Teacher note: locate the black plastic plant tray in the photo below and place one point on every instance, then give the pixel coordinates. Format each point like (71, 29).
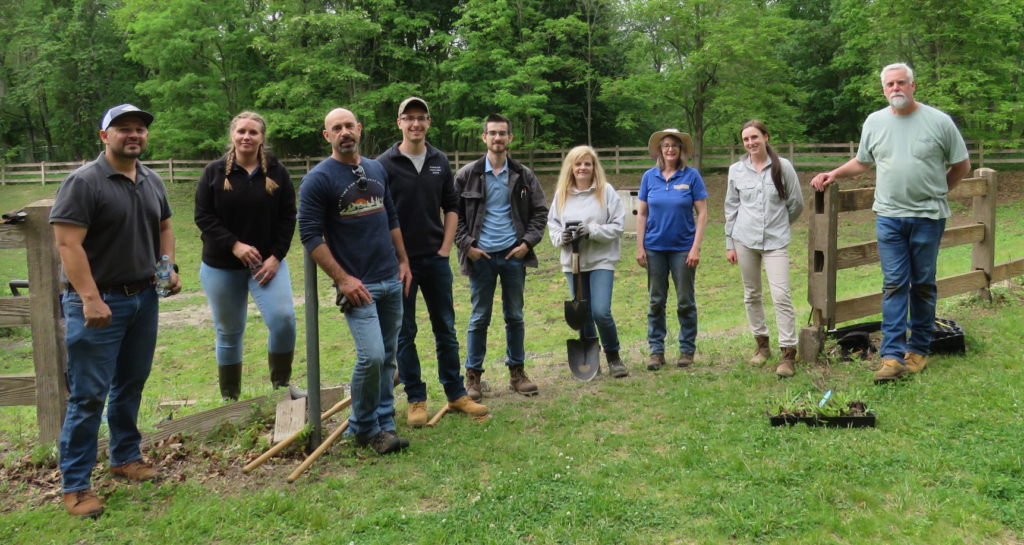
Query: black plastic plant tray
(865, 421)
(947, 335)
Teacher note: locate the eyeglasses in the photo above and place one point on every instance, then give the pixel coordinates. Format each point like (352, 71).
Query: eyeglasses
(422, 119)
(363, 182)
(670, 146)
(494, 134)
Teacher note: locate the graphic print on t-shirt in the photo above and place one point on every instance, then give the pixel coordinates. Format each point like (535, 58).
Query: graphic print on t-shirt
(354, 203)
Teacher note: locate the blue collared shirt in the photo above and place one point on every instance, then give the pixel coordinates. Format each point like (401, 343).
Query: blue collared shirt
(498, 231)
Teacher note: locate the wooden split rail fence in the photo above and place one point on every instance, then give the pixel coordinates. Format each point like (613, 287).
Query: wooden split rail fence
(615, 160)
(826, 257)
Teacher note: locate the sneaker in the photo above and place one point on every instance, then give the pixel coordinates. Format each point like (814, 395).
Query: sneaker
(473, 386)
(915, 362)
(417, 414)
(382, 443)
(466, 405)
(84, 503)
(135, 471)
(685, 360)
(891, 370)
(519, 382)
(657, 361)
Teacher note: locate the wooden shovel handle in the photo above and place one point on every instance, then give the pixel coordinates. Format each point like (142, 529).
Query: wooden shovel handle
(438, 416)
(339, 406)
(316, 453)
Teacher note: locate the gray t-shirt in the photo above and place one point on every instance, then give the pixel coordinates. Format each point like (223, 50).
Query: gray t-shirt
(417, 160)
(123, 219)
(910, 153)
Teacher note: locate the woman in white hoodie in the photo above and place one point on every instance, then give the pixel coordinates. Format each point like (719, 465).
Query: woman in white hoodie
(583, 195)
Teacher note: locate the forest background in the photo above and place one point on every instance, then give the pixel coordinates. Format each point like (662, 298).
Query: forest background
(604, 72)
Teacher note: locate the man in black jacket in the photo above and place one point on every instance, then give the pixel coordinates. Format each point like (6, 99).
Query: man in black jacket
(422, 188)
(502, 215)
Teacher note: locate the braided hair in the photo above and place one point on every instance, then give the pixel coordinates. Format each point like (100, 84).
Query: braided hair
(776, 164)
(261, 154)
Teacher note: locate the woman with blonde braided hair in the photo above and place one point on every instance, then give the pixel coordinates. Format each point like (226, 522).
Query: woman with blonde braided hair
(245, 209)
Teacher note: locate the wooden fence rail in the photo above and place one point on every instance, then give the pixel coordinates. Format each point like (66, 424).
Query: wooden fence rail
(826, 257)
(615, 160)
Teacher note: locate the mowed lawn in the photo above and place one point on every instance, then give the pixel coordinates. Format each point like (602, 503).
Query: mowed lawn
(675, 456)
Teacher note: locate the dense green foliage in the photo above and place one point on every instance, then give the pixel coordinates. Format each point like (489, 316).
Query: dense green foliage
(607, 72)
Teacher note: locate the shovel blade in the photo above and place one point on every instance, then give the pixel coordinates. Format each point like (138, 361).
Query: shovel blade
(584, 358)
(576, 313)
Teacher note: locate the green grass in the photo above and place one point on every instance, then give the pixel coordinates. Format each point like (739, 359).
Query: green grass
(668, 457)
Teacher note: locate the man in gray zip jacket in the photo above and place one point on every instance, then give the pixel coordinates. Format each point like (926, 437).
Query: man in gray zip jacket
(502, 214)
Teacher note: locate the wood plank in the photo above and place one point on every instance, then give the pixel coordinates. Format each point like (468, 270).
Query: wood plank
(969, 187)
(291, 417)
(48, 353)
(1007, 270)
(865, 253)
(853, 308)
(330, 397)
(851, 200)
(17, 389)
(14, 311)
(11, 237)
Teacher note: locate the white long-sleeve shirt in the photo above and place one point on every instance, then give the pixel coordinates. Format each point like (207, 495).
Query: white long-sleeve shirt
(755, 216)
(606, 223)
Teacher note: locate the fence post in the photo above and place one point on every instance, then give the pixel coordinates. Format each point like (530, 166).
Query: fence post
(852, 152)
(732, 153)
(457, 165)
(170, 168)
(307, 165)
(791, 153)
(983, 254)
(42, 173)
(531, 158)
(821, 271)
(616, 159)
(48, 353)
(3, 174)
(981, 154)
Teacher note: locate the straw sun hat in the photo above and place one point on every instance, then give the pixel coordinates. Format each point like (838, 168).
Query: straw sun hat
(655, 141)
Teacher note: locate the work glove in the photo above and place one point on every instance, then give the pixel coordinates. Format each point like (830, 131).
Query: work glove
(582, 232)
(566, 237)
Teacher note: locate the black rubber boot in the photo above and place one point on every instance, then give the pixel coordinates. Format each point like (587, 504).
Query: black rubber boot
(280, 368)
(230, 381)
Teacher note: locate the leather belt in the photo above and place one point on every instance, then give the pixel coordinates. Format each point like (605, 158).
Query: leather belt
(132, 288)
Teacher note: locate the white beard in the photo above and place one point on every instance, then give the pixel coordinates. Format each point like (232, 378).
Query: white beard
(898, 101)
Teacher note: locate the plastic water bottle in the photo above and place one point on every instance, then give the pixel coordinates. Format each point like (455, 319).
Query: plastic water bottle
(163, 276)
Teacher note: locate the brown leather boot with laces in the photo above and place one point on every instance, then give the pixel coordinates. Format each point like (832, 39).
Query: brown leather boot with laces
(763, 351)
(519, 382)
(84, 503)
(473, 386)
(135, 471)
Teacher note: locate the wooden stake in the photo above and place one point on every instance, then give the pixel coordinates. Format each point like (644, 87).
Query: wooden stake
(316, 453)
(438, 416)
(340, 406)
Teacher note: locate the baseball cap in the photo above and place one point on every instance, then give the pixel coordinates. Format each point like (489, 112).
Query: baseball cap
(125, 110)
(412, 101)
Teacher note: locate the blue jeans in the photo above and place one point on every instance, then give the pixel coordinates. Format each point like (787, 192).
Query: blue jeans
(433, 275)
(227, 291)
(597, 290)
(659, 266)
(483, 279)
(908, 249)
(111, 361)
(374, 327)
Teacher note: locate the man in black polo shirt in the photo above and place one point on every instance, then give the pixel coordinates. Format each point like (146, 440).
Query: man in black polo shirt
(423, 188)
(111, 222)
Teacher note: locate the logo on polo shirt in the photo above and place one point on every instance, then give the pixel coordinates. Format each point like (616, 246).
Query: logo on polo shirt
(435, 169)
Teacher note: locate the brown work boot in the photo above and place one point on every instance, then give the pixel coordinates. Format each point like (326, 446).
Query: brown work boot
(763, 351)
(135, 471)
(519, 382)
(473, 386)
(417, 414)
(656, 361)
(915, 362)
(466, 405)
(891, 370)
(788, 364)
(84, 503)
(385, 442)
(685, 360)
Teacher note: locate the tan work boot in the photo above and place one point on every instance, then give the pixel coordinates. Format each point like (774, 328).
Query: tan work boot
(685, 360)
(657, 361)
(891, 370)
(473, 386)
(135, 471)
(417, 414)
(467, 406)
(788, 364)
(84, 503)
(519, 382)
(915, 362)
(763, 351)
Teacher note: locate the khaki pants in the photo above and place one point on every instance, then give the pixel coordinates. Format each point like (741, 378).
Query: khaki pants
(776, 266)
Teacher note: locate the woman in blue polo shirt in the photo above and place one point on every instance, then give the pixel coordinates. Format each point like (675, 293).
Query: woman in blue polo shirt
(670, 227)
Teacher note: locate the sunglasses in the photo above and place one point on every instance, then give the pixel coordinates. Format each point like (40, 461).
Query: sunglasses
(363, 182)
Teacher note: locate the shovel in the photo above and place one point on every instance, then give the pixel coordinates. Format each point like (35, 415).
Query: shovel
(584, 353)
